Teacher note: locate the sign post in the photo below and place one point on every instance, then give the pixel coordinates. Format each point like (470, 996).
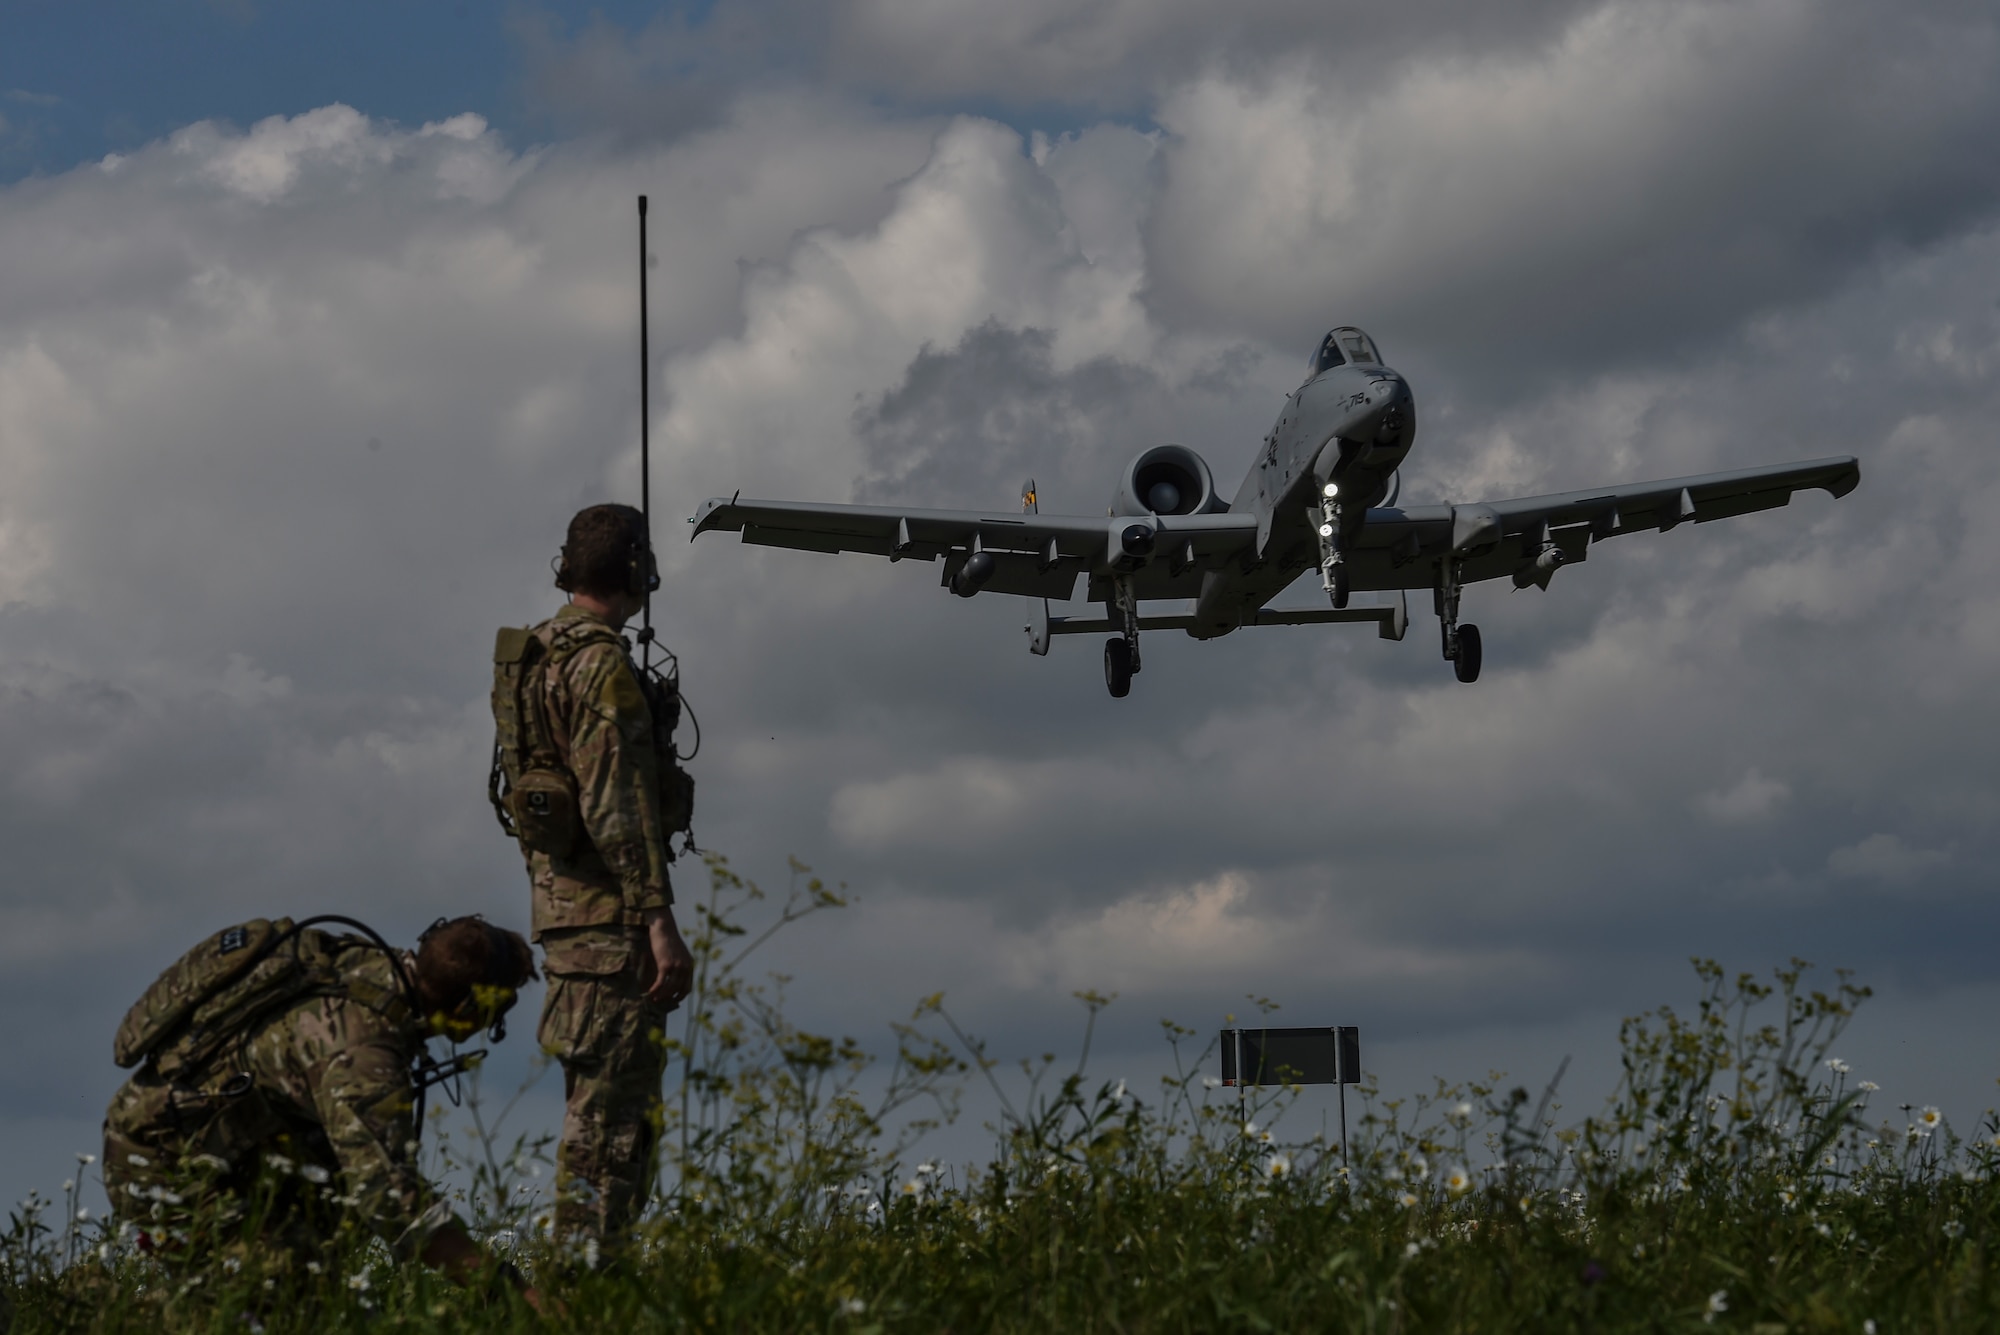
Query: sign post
(1303, 1055)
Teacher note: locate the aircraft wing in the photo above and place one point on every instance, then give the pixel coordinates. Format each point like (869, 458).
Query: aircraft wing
(1496, 538)
(1039, 555)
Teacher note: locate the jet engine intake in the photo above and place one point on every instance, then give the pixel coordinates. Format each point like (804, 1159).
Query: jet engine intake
(1167, 480)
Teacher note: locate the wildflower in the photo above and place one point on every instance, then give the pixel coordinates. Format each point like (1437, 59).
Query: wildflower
(1406, 1200)
(314, 1268)
(1868, 1326)
(1457, 1181)
(1824, 1229)
(592, 1253)
(853, 1306)
(1718, 1303)
(232, 1264)
(1828, 1160)
(1868, 1086)
(358, 1281)
(312, 1172)
(1210, 1082)
(138, 1161)
(1787, 1197)
(69, 1184)
(1249, 1128)
(1277, 1165)
(1954, 1228)
(86, 1159)
(1410, 1249)
(278, 1163)
(1392, 1174)
(1836, 1065)
(1461, 1113)
(1929, 1119)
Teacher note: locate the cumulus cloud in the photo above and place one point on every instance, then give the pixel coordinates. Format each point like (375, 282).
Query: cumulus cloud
(1750, 799)
(1885, 857)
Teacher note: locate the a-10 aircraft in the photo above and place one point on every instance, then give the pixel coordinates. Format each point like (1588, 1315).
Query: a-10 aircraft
(1323, 493)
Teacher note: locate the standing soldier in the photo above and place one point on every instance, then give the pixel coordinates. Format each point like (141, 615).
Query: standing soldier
(584, 777)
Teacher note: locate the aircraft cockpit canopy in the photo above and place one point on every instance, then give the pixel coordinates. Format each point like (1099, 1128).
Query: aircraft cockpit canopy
(1343, 345)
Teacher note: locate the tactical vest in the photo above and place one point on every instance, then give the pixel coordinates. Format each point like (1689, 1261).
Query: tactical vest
(219, 990)
(532, 791)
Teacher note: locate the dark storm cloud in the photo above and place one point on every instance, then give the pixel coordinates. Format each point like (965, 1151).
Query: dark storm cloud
(1071, 59)
(1646, 177)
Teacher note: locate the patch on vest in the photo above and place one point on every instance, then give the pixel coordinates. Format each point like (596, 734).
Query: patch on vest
(234, 939)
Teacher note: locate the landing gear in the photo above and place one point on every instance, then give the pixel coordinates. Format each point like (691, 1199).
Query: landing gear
(1332, 561)
(1118, 667)
(1121, 652)
(1461, 643)
(1466, 665)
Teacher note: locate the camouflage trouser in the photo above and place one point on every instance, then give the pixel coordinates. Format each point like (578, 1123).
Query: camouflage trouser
(611, 1042)
(185, 1164)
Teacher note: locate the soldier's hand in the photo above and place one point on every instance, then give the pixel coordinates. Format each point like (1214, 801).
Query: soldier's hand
(673, 964)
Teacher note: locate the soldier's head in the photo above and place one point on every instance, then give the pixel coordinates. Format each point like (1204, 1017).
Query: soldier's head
(608, 557)
(469, 973)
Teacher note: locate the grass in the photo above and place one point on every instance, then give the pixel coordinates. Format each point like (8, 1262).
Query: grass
(1738, 1180)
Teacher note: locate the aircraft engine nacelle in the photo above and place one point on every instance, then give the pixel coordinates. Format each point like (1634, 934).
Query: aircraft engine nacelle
(1167, 480)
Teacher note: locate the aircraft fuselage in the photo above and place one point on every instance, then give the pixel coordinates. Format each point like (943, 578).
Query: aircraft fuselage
(1350, 426)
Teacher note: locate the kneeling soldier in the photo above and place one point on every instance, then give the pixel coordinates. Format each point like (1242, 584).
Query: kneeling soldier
(279, 1047)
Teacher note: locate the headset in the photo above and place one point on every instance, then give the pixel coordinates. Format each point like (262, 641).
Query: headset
(642, 568)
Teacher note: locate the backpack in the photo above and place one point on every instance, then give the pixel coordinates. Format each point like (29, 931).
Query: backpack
(215, 991)
(533, 793)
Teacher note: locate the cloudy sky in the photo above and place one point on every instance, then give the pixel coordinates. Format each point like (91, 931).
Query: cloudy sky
(318, 321)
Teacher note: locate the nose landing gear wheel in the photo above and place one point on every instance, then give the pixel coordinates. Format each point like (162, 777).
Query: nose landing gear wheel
(1341, 586)
(1117, 667)
(1466, 665)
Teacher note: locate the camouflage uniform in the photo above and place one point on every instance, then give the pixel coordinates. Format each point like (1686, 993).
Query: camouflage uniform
(320, 1090)
(589, 916)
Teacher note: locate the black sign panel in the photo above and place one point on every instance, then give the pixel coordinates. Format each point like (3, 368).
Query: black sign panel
(1309, 1055)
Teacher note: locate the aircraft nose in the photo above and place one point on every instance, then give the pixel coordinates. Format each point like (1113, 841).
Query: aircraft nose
(1388, 407)
(1386, 388)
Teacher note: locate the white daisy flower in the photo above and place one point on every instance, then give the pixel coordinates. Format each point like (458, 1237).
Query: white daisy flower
(1718, 1303)
(1457, 1181)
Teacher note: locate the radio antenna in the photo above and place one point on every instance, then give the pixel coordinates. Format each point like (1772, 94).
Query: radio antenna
(645, 437)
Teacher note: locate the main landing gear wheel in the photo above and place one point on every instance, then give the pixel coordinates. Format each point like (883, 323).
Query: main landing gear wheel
(1466, 665)
(1342, 586)
(1117, 667)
